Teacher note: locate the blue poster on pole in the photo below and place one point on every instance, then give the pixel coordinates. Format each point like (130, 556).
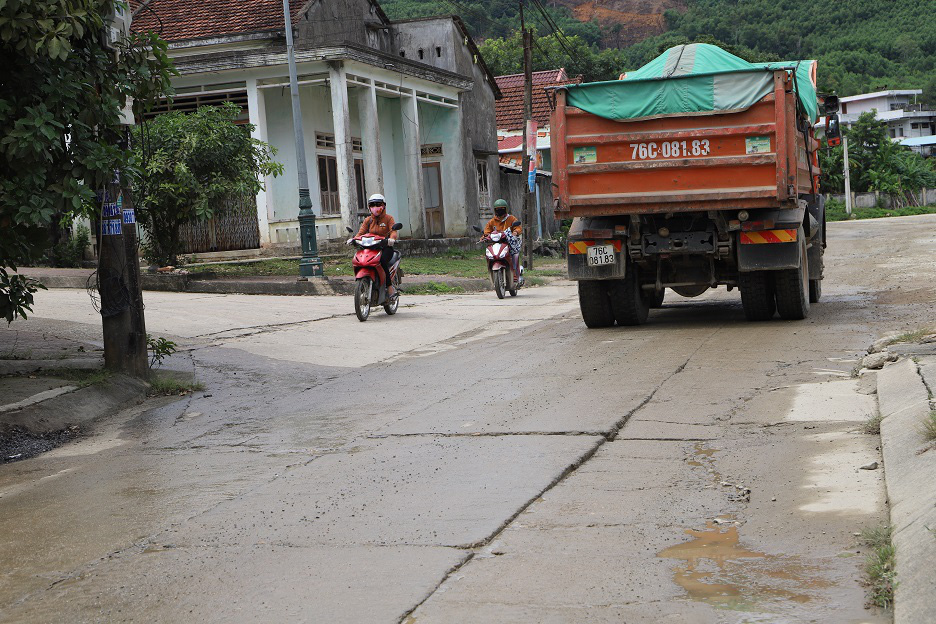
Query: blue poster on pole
(531, 181)
(111, 227)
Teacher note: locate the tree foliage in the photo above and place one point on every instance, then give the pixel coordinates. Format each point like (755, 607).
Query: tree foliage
(62, 91)
(875, 162)
(505, 56)
(487, 19)
(192, 163)
(861, 46)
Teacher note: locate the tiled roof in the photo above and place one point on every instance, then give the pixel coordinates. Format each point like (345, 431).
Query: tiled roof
(509, 142)
(548, 76)
(176, 20)
(510, 107)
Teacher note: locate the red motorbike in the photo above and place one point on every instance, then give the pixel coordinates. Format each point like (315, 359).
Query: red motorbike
(500, 263)
(368, 273)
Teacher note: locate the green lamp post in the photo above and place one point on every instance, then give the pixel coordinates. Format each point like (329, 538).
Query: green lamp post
(311, 264)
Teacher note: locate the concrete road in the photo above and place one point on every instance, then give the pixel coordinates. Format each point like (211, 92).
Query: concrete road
(476, 460)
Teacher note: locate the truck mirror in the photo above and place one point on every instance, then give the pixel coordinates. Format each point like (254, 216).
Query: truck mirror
(833, 131)
(830, 104)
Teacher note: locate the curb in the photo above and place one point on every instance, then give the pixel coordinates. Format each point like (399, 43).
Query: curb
(78, 407)
(196, 283)
(909, 476)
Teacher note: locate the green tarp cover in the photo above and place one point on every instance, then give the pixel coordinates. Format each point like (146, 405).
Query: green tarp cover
(691, 79)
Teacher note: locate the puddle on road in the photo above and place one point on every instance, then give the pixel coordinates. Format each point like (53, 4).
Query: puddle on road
(702, 457)
(719, 571)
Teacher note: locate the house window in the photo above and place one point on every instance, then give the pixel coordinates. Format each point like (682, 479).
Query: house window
(914, 126)
(420, 53)
(431, 151)
(328, 184)
(438, 51)
(361, 190)
(900, 132)
(893, 133)
(327, 141)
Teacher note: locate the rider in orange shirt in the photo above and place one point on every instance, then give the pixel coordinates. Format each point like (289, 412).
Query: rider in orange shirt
(503, 222)
(381, 223)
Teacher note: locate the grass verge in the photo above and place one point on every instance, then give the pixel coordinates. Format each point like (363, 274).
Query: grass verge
(913, 336)
(835, 211)
(872, 426)
(451, 264)
(928, 428)
(80, 377)
(165, 384)
(880, 566)
(431, 288)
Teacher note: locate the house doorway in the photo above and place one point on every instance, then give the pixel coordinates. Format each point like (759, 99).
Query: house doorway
(484, 191)
(432, 195)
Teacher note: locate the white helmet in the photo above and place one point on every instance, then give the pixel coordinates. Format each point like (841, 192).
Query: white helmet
(376, 198)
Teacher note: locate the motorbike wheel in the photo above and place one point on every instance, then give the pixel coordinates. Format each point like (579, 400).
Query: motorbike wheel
(362, 298)
(391, 306)
(499, 286)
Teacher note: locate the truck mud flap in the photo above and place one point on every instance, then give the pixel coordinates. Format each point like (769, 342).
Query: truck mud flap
(579, 269)
(768, 256)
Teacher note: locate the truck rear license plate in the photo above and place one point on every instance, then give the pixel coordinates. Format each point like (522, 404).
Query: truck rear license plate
(600, 254)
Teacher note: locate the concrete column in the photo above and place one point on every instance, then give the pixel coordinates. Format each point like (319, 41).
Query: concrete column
(370, 138)
(463, 187)
(341, 118)
(414, 173)
(256, 111)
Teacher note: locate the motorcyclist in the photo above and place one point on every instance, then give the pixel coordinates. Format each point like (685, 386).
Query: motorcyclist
(381, 224)
(503, 222)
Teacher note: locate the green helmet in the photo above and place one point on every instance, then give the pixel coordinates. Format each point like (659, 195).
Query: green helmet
(500, 203)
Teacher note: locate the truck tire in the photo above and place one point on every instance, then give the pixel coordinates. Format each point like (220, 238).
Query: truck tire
(595, 303)
(655, 298)
(815, 290)
(757, 295)
(629, 304)
(792, 286)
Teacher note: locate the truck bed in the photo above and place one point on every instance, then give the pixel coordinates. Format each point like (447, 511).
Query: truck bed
(750, 159)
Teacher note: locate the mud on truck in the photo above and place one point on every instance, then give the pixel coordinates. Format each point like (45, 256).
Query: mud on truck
(695, 171)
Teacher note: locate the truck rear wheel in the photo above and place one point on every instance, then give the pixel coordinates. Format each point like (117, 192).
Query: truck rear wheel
(757, 295)
(629, 304)
(595, 303)
(655, 298)
(792, 286)
(815, 290)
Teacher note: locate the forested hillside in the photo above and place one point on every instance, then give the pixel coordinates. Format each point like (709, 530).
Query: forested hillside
(862, 45)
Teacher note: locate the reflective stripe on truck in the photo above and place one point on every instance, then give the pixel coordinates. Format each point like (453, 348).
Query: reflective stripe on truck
(768, 236)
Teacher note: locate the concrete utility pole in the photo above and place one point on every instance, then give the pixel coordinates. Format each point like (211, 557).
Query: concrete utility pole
(118, 273)
(848, 200)
(311, 264)
(527, 218)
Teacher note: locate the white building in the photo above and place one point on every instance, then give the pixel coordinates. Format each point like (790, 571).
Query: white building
(402, 108)
(905, 117)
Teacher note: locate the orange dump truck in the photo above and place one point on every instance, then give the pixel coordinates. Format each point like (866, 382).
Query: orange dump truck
(696, 171)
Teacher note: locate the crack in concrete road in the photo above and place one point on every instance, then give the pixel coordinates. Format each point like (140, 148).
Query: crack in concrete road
(607, 436)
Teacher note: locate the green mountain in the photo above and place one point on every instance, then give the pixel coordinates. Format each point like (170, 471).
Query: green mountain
(861, 45)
